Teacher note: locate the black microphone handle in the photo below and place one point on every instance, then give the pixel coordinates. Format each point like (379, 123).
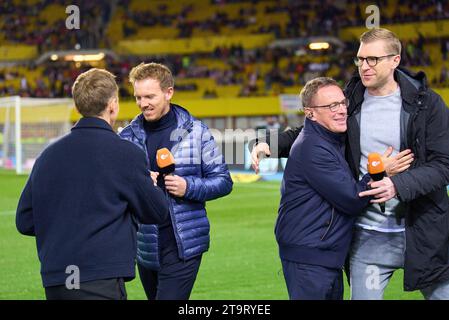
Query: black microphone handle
(377, 177)
(167, 170)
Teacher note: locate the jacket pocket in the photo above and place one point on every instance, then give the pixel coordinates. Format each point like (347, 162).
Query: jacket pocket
(323, 237)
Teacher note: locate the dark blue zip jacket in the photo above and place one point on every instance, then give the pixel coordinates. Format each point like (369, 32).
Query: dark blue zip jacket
(199, 161)
(319, 201)
(81, 202)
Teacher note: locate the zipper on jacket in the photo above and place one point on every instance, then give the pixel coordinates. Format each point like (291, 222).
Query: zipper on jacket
(170, 199)
(414, 116)
(415, 143)
(330, 225)
(173, 223)
(188, 129)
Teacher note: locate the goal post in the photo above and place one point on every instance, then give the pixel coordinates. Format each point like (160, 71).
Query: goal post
(27, 126)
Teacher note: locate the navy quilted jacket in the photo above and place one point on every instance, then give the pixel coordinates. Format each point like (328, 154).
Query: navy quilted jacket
(199, 161)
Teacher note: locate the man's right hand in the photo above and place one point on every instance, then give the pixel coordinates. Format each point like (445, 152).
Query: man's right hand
(259, 151)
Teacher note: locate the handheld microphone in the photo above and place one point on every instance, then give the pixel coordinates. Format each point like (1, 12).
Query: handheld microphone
(165, 161)
(376, 171)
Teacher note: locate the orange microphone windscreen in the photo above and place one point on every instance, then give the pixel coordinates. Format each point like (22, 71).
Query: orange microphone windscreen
(164, 158)
(375, 164)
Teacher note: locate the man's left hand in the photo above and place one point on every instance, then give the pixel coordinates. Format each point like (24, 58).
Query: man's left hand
(382, 190)
(175, 185)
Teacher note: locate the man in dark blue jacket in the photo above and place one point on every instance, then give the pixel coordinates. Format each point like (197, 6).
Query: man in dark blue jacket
(169, 255)
(320, 198)
(82, 199)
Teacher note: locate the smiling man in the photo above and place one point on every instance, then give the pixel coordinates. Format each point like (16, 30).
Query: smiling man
(320, 198)
(390, 106)
(169, 254)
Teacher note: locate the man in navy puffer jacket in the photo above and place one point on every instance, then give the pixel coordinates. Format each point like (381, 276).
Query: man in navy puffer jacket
(320, 199)
(169, 254)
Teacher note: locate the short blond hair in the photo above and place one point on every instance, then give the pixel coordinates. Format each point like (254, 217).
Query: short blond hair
(392, 41)
(310, 89)
(155, 71)
(93, 90)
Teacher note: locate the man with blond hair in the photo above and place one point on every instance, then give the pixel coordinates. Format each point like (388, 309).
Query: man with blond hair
(169, 254)
(390, 106)
(83, 197)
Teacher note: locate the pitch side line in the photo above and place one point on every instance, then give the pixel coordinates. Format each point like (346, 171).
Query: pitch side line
(7, 213)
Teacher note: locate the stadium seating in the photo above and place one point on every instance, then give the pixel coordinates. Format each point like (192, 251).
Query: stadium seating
(216, 48)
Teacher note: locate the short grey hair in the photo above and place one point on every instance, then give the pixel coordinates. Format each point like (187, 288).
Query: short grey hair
(309, 91)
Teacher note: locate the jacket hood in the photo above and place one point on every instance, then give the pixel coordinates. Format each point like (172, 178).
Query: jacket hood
(412, 84)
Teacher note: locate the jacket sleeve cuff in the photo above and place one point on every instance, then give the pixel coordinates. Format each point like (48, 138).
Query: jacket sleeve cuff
(365, 179)
(401, 192)
(189, 187)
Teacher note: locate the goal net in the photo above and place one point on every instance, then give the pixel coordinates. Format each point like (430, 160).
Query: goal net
(27, 126)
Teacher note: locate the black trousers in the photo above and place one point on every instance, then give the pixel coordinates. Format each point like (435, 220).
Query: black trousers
(108, 289)
(174, 281)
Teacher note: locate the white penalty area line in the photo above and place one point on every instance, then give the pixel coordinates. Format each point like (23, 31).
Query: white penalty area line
(7, 213)
(256, 185)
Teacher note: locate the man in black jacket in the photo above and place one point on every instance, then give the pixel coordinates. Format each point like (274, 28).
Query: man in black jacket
(82, 199)
(390, 106)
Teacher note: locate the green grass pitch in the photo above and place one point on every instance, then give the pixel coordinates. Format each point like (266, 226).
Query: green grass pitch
(242, 262)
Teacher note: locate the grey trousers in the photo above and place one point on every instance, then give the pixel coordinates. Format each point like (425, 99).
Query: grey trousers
(374, 257)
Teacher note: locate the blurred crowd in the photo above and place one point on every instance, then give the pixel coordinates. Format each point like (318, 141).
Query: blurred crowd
(300, 21)
(22, 24)
(242, 68)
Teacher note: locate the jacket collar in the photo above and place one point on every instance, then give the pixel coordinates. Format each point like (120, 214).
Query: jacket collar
(92, 122)
(412, 85)
(312, 127)
(183, 118)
